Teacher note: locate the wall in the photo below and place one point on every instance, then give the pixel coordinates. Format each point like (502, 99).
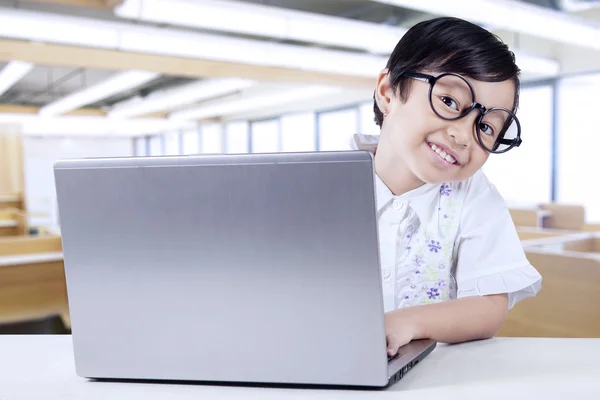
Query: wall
(524, 174)
(578, 142)
(11, 160)
(40, 153)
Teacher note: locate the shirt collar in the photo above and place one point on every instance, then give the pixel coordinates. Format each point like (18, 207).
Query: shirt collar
(423, 200)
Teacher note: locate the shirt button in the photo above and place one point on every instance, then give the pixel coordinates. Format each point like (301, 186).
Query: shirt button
(398, 205)
(386, 274)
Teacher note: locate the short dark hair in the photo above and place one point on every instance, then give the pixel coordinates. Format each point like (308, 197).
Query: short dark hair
(450, 44)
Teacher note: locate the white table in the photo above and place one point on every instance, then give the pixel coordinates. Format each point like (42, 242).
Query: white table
(41, 367)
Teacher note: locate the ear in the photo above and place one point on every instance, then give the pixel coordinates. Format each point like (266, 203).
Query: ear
(384, 92)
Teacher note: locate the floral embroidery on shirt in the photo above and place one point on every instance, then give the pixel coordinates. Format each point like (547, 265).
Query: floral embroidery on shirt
(451, 211)
(433, 293)
(434, 246)
(418, 261)
(424, 274)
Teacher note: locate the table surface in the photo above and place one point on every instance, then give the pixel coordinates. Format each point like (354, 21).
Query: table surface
(31, 258)
(8, 223)
(9, 197)
(41, 367)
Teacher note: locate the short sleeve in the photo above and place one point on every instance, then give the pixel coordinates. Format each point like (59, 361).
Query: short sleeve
(490, 258)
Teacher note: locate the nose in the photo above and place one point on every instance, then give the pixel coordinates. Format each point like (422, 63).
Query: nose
(462, 131)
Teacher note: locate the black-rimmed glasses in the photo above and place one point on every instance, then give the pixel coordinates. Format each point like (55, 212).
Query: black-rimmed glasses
(452, 97)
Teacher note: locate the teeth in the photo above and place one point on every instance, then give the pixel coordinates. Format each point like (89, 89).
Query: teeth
(443, 154)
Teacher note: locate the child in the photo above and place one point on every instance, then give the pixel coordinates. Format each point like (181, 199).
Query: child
(452, 264)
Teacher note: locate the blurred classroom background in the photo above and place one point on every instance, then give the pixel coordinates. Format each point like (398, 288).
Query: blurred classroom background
(104, 78)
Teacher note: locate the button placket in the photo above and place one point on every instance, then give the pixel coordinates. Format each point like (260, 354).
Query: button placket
(398, 214)
(398, 205)
(404, 238)
(387, 230)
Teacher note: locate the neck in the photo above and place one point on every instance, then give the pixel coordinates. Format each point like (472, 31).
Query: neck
(395, 174)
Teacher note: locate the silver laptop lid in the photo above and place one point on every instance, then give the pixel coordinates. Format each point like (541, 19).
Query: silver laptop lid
(243, 268)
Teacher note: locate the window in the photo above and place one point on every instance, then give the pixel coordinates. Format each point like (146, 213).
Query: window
(336, 129)
(140, 146)
(191, 141)
(524, 174)
(156, 146)
(212, 138)
(298, 132)
(237, 137)
(366, 117)
(172, 143)
(578, 143)
(39, 156)
(265, 136)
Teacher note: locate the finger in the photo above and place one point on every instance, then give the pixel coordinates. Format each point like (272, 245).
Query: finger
(392, 346)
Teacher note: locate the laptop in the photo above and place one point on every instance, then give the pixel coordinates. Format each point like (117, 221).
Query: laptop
(241, 269)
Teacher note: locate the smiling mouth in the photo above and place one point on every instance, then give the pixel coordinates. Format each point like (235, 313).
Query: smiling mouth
(443, 155)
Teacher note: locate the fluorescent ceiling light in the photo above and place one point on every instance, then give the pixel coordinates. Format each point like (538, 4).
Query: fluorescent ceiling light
(251, 102)
(514, 16)
(12, 73)
(118, 83)
(181, 96)
(266, 21)
(54, 28)
(279, 23)
(31, 124)
(28, 25)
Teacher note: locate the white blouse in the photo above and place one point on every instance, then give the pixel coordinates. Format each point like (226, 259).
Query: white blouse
(447, 241)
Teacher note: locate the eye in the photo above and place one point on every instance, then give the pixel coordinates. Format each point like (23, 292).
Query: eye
(450, 102)
(487, 129)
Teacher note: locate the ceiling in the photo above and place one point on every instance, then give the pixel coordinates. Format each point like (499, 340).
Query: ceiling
(45, 84)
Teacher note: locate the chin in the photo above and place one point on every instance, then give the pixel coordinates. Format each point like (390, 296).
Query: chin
(431, 178)
(436, 177)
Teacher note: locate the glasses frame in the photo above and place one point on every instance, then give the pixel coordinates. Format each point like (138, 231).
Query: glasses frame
(431, 80)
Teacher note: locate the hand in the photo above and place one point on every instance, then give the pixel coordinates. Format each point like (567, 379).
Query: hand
(399, 330)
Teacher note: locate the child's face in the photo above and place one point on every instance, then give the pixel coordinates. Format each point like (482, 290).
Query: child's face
(411, 132)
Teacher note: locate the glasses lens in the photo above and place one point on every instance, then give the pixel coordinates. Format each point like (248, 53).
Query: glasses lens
(498, 130)
(451, 97)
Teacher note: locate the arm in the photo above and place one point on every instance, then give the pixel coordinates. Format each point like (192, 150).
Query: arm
(455, 321)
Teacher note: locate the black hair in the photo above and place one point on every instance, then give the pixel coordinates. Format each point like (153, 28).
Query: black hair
(450, 44)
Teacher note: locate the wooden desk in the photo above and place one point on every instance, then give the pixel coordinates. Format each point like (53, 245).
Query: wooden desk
(25, 259)
(42, 367)
(567, 304)
(8, 227)
(12, 201)
(31, 286)
(13, 222)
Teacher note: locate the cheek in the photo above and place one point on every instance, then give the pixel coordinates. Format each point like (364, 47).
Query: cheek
(478, 158)
(410, 124)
